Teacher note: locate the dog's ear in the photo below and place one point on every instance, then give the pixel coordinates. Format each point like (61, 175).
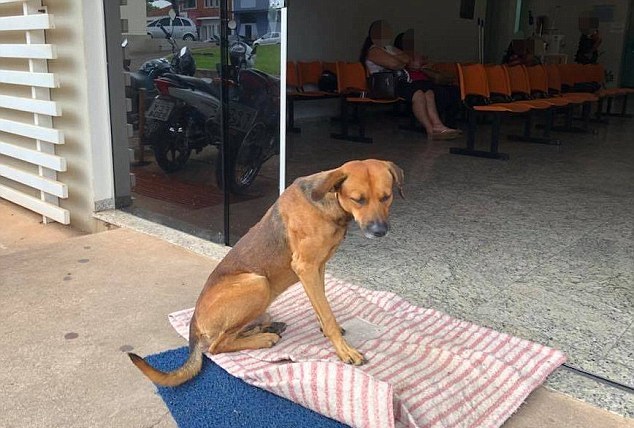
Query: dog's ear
(397, 176)
(330, 183)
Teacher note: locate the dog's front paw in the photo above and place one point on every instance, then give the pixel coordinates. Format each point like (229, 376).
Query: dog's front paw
(350, 355)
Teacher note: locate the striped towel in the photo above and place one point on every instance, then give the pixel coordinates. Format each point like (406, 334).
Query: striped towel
(424, 369)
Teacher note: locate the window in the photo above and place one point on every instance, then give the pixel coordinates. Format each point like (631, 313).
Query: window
(189, 4)
(124, 25)
(177, 22)
(212, 3)
(247, 4)
(123, 2)
(165, 22)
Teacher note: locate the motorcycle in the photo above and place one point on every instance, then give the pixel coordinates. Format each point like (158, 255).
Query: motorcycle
(185, 116)
(182, 62)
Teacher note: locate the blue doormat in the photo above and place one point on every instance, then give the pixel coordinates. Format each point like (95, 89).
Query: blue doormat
(216, 399)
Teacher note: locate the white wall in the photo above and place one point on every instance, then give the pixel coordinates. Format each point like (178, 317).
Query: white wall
(335, 29)
(81, 67)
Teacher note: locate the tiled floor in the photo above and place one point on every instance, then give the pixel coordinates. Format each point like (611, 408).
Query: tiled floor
(539, 246)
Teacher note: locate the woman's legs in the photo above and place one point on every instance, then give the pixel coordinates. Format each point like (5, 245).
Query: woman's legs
(419, 107)
(424, 108)
(432, 113)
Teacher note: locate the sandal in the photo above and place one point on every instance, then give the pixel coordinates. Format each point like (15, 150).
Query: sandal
(445, 134)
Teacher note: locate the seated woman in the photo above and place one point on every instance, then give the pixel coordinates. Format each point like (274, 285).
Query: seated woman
(447, 95)
(379, 55)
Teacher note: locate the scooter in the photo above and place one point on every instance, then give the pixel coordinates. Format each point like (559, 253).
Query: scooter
(182, 62)
(186, 116)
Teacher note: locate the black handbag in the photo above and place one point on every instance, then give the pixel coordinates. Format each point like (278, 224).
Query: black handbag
(384, 84)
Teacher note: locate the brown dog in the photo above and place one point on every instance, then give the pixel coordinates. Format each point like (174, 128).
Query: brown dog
(293, 241)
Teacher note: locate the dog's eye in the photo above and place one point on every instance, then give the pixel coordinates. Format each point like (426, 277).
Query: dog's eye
(360, 201)
(385, 198)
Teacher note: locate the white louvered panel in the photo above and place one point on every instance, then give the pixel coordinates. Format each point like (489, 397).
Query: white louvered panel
(33, 156)
(31, 105)
(37, 182)
(32, 131)
(33, 21)
(38, 21)
(28, 51)
(44, 208)
(43, 80)
(33, 8)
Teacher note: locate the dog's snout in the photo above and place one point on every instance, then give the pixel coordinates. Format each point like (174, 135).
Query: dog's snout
(376, 229)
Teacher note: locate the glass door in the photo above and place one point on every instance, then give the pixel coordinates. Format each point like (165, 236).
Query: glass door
(253, 51)
(202, 152)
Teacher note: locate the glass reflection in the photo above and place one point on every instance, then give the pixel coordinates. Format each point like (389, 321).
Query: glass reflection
(173, 51)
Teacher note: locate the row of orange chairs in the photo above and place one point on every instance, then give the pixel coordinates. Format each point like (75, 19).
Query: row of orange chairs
(352, 88)
(500, 89)
(497, 90)
(302, 84)
(591, 78)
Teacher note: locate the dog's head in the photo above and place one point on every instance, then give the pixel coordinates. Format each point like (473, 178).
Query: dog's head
(364, 190)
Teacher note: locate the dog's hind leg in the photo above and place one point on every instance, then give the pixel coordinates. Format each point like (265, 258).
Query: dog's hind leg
(268, 327)
(237, 343)
(235, 303)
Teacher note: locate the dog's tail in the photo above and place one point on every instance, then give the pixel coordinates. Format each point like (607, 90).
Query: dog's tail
(179, 376)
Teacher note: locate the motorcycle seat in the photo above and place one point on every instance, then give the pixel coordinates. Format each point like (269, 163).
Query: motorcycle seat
(140, 80)
(204, 85)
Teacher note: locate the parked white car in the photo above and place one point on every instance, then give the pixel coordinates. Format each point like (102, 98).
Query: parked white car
(180, 28)
(268, 39)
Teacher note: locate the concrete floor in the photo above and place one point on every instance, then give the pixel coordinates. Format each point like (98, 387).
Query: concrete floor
(73, 304)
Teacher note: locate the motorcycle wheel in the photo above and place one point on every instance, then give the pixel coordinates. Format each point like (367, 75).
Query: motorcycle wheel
(246, 160)
(169, 144)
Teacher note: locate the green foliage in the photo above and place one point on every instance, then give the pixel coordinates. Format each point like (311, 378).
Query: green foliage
(149, 6)
(267, 59)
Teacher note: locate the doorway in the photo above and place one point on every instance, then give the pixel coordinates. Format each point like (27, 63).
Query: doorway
(203, 141)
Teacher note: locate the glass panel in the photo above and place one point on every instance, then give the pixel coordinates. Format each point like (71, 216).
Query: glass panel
(252, 72)
(194, 87)
(173, 93)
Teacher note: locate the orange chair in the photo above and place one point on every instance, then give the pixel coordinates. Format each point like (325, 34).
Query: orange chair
(555, 85)
(475, 95)
(309, 74)
(353, 87)
(539, 88)
(596, 73)
(302, 80)
(519, 90)
(555, 89)
(521, 87)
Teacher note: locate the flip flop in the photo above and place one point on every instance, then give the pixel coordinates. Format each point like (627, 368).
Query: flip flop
(445, 134)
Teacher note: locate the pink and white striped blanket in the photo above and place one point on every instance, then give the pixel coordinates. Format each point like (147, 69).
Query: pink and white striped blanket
(424, 369)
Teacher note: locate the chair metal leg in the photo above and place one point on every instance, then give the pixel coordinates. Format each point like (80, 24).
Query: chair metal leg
(291, 116)
(345, 135)
(568, 127)
(528, 127)
(470, 149)
(623, 112)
